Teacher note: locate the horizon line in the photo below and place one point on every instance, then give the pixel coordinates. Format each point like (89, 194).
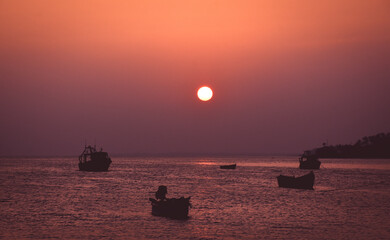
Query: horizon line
(131, 155)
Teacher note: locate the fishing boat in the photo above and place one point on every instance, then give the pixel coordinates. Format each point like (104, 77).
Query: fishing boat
(232, 166)
(176, 208)
(311, 161)
(303, 182)
(94, 161)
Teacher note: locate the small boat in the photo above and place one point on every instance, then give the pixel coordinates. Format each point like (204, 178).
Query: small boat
(176, 208)
(232, 166)
(303, 182)
(94, 161)
(311, 161)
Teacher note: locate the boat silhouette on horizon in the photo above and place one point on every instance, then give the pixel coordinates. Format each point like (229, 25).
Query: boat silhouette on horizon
(94, 161)
(231, 166)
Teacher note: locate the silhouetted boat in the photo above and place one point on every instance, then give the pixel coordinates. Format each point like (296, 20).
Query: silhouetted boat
(303, 182)
(311, 161)
(232, 166)
(171, 207)
(92, 160)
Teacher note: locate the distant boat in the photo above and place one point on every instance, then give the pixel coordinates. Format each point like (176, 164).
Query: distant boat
(94, 161)
(311, 161)
(303, 182)
(232, 166)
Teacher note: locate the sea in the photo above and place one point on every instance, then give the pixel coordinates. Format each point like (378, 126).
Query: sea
(49, 198)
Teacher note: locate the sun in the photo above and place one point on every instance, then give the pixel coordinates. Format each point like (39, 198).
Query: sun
(205, 93)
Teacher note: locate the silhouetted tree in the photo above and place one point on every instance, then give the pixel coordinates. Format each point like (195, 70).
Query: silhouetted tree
(376, 146)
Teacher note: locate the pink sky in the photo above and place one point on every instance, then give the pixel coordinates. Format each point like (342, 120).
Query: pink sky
(286, 75)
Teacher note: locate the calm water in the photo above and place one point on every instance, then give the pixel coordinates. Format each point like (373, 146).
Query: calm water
(43, 198)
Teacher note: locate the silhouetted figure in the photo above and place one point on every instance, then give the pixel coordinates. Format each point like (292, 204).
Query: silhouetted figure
(161, 193)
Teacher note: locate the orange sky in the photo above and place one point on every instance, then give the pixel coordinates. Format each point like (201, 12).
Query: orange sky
(286, 75)
(189, 26)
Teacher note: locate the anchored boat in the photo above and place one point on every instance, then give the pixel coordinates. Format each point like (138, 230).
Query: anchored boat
(94, 161)
(173, 207)
(232, 166)
(303, 182)
(311, 161)
(169, 207)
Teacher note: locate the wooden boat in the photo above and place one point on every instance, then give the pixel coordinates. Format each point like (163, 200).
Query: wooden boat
(311, 162)
(92, 160)
(232, 166)
(176, 208)
(303, 182)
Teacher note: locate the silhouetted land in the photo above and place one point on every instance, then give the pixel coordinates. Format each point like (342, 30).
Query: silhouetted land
(377, 146)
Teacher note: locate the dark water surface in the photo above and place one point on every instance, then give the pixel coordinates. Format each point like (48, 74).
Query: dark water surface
(44, 198)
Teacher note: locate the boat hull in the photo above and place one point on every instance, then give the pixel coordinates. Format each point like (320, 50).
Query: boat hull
(303, 182)
(176, 208)
(233, 166)
(310, 164)
(95, 166)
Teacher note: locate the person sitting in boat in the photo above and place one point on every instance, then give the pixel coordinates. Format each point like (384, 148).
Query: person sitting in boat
(161, 193)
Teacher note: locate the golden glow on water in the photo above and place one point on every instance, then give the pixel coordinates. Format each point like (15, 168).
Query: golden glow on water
(356, 166)
(293, 163)
(206, 163)
(268, 164)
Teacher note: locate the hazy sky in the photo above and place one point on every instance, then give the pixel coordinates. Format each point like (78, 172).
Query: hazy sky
(286, 75)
